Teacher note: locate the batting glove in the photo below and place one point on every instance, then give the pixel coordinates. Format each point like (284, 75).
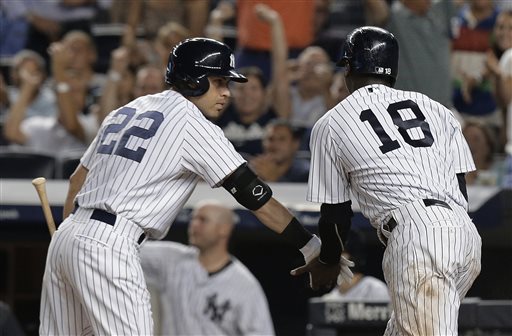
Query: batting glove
(312, 249)
(346, 274)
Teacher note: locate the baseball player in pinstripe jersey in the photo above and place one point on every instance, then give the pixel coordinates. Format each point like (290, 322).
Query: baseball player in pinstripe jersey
(403, 157)
(202, 286)
(133, 179)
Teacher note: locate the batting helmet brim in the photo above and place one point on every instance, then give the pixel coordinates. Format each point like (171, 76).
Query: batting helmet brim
(236, 77)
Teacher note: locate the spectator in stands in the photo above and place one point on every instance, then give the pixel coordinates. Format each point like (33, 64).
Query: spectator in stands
(202, 289)
(77, 85)
(331, 26)
(249, 112)
(76, 122)
(167, 37)
(14, 27)
(506, 84)
(423, 30)
(304, 94)
(119, 84)
(149, 79)
(473, 93)
(482, 144)
(500, 73)
(254, 38)
(144, 51)
(29, 90)
(504, 88)
(153, 14)
(363, 287)
(49, 21)
(82, 58)
(310, 93)
(279, 162)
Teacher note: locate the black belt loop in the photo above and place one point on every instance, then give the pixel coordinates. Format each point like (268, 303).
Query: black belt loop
(390, 225)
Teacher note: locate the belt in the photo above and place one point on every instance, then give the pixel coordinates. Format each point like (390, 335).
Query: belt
(391, 224)
(110, 219)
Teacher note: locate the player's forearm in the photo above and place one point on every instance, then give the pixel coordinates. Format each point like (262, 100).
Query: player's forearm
(274, 215)
(278, 218)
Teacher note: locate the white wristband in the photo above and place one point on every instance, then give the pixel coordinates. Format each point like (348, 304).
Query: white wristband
(62, 87)
(312, 249)
(114, 76)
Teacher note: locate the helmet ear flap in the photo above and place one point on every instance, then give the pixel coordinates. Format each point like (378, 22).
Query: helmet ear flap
(204, 85)
(189, 86)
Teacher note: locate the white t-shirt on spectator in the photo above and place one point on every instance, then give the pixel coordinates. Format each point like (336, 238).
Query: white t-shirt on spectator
(367, 289)
(46, 134)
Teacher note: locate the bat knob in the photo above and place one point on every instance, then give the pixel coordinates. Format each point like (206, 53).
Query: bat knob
(38, 181)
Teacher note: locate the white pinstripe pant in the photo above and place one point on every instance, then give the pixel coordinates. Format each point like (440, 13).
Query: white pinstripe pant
(431, 260)
(93, 282)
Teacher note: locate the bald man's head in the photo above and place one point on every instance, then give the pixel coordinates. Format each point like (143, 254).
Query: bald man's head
(211, 225)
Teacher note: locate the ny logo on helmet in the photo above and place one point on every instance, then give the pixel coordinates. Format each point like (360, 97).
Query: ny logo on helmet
(232, 60)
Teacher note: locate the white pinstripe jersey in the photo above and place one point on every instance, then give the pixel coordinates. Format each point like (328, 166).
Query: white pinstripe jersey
(148, 157)
(388, 147)
(193, 302)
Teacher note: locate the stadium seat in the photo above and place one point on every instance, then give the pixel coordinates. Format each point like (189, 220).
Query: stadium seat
(18, 163)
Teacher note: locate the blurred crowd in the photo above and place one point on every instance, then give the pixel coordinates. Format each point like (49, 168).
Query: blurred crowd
(66, 64)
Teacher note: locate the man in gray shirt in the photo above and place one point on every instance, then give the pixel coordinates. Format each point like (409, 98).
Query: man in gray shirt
(423, 30)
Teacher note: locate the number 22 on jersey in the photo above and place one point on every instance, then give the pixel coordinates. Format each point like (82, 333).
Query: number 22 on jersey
(403, 126)
(117, 146)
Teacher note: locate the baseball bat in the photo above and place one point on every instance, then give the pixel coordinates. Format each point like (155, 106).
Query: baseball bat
(40, 185)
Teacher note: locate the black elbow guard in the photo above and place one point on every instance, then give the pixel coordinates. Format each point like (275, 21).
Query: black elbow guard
(333, 227)
(247, 188)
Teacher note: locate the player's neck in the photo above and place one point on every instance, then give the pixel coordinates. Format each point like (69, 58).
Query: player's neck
(356, 82)
(214, 259)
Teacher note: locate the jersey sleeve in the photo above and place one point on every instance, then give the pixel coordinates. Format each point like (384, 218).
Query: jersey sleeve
(156, 259)
(327, 180)
(460, 152)
(207, 152)
(86, 159)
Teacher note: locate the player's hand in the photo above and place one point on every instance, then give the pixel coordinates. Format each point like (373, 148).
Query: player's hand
(321, 276)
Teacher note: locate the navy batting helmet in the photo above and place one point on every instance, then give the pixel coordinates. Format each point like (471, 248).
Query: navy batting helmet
(371, 50)
(192, 61)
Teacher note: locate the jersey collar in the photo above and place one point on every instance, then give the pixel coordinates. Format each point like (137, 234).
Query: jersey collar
(370, 89)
